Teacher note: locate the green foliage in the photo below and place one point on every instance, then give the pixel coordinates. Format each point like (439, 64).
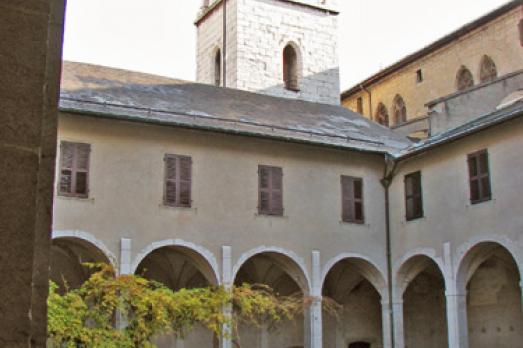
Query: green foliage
(86, 317)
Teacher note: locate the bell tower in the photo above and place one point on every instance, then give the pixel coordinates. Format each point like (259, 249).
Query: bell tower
(285, 48)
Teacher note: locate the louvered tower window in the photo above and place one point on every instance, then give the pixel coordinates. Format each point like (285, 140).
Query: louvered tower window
(178, 181)
(218, 68)
(74, 169)
(290, 68)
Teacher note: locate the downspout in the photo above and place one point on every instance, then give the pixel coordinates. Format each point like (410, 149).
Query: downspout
(388, 176)
(224, 50)
(363, 89)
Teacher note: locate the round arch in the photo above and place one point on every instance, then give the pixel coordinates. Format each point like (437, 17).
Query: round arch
(202, 257)
(89, 239)
(368, 269)
(288, 260)
(412, 264)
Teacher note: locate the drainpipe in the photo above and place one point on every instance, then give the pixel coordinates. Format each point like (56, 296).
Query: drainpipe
(363, 89)
(388, 176)
(224, 50)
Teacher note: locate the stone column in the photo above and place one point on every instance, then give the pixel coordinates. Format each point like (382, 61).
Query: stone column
(457, 325)
(125, 256)
(315, 326)
(399, 331)
(227, 282)
(385, 324)
(30, 61)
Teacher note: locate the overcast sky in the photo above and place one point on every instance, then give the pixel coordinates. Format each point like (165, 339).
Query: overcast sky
(158, 36)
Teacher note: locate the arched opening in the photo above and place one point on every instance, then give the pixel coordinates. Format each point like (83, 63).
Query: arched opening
(382, 115)
(422, 284)
(355, 284)
(399, 110)
(285, 277)
(464, 79)
(180, 268)
(218, 68)
(494, 308)
(488, 70)
(290, 68)
(68, 256)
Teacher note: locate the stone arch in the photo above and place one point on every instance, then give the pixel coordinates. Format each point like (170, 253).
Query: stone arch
(464, 79)
(382, 115)
(399, 110)
(487, 69)
(357, 284)
(292, 66)
(420, 285)
(69, 251)
(288, 260)
(202, 257)
(366, 267)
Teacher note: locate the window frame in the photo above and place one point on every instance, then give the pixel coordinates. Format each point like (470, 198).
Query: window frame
(476, 156)
(74, 170)
(359, 105)
(271, 211)
(352, 200)
(419, 76)
(177, 181)
(411, 216)
(291, 68)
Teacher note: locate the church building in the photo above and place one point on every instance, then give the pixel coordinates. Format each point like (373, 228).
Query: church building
(256, 174)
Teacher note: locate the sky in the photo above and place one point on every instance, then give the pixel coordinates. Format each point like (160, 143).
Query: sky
(159, 37)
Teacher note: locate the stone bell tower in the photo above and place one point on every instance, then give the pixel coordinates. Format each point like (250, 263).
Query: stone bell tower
(285, 48)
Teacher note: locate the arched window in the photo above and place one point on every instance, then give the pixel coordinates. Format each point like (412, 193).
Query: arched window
(464, 79)
(488, 71)
(290, 68)
(218, 68)
(382, 115)
(399, 110)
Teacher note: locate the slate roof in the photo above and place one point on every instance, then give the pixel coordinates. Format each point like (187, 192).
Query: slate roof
(120, 94)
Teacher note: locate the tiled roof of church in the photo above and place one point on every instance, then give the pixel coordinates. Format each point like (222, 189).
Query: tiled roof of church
(120, 94)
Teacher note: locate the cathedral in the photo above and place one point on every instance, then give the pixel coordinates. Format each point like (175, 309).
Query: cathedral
(257, 173)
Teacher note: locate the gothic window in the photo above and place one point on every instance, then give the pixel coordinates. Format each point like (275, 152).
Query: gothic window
(218, 68)
(488, 70)
(382, 115)
(399, 110)
(464, 79)
(290, 68)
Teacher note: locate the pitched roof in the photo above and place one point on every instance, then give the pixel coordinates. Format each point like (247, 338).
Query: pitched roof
(120, 94)
(444, 41)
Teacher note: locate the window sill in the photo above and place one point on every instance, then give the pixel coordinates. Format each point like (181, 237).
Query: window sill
(275, 217)
(75, 198)
(481, 202)
(346, 223)
(182, 209)
(413, 220)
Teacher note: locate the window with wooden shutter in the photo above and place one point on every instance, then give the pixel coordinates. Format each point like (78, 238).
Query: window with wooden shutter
(479, 177)
(352, 200)
(178, 181)
(74, 169)
(413, 196)
(270, 187)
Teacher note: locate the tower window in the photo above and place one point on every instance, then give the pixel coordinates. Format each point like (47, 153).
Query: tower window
(359, 106)
(488, 70)
(400, 110)
(218, 68)
(290, 68)
(419, 76)
(464, 79)
(521, 31)
(382, 115)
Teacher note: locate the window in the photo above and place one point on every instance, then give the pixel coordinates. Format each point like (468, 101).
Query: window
(419, 76)
(488, 71)
(479, 177)
(359, 105)
(290, 68)
(382, 115)
(521, 32)
(270, 186)
(359, 345)
(178, 177)
(218, 68)
(464, 79)
(413, 196)
(399, 110)
(74, 169)
(352, 199)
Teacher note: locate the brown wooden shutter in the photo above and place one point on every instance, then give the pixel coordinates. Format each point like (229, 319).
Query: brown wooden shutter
(413, 196)
(352, 199)
(74, 169)
(178, 181)
(479, 177)
(270, 187)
